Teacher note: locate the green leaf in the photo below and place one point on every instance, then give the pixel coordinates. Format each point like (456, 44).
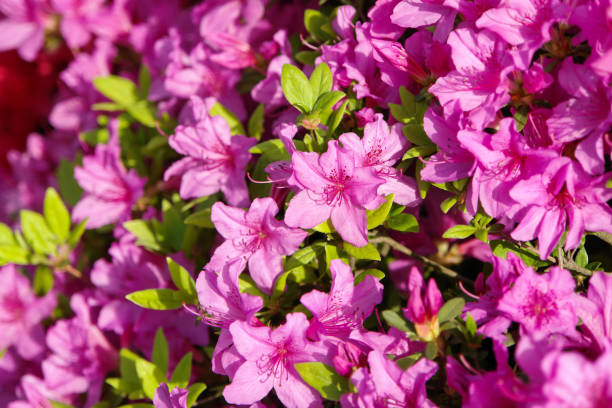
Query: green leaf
(68, 187)
(106, 107)
(246, 284)
(307, 57)
(183, 280)
(377, 273)
(160, 351)
(56, 214)
(520, 119)
(6, 235)
(137, 405)
(301, 257)
(324, 379)
(431, 350)
(173, 227)
(297, 88)
(144, 81)
(368, 251)
(150, 376)
(336, 117)
(451, 309)
(403, 222)
(95, 136)
(43, 280)
(143, 112)
(582, 258)
(501, 248)
(76, 233)
(321, 81)
(459, 231)
(447, 204)
(157, 299)
(325, 227)
(327, 101)
(200, 219)
(117, 89)
(470, 325)
(273, 147)
(182, 372)
(256, 122)
(379, 215)
(37, 233)
(394, 319)
(143, 231)
(318, 25)
(482, 234)
(57, 404)
(422, 185)
(14, 254)
(194, 392)
(419, 151)
(231, 119)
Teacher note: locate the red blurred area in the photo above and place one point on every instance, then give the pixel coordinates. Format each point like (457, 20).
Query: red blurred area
(26, 93)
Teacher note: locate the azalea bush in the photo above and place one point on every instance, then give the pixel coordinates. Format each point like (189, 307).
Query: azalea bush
(392, 203)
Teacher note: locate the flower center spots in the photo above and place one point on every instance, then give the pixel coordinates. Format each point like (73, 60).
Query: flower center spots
(333, 193)
(541, 307)
(274, 364)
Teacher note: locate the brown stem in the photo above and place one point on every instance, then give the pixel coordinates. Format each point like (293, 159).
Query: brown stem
(407, 251)
(604, 236)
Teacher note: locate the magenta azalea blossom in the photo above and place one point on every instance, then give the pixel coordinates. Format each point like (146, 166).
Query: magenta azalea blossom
(110, 190)
(215, 160)
(423, 305)
(595, 310)
(254, 236)
(269, 359)
(346, 305)
(334, 187)
(542, 304)
(23, 28)
(164, 398)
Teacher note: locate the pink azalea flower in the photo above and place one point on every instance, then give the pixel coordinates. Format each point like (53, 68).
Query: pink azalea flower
(595, 310)
(269, 359)
(164, 398)
(346, 305)
(423, 305)
(23, 28)
(542, 304)
(503, 159)
(479, 84)
(561, 193)
(586, 116)
(21, 313)
(387, 385)
(255, 237)
(420, 13)
(380, 149)
(215, 160)
(332, 186)
(110, 190)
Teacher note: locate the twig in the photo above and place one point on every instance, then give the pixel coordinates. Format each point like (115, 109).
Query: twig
(573, 266)
(407, 251)
(604, 236)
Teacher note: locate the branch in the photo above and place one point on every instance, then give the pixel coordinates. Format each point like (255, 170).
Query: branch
(604, 236)
(407, 251)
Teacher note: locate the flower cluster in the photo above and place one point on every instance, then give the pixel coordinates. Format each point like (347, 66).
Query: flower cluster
(399, 203)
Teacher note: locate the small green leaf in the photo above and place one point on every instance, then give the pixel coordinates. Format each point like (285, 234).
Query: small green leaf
(43, 280)
(231, 119)
(336, 117)
(325, 227)
(377, 273)
(182, 372)
(447, 204)
(368, 251)
(327, 101)
(431, 350)
(501, 248)
(394, 319)
(137, 405)
(68, 186)
(194, 390)
(379, 215)
(301, 257)
(37, 233)
(273, 148)
(95, 137)
(246, 284)
(582, 258)
(419, 151)
(56, 214)
(482, 234)
(459, 231)
(256, 122)
(183, 280)
(520, 119)
(143, 112)
(200, 219)
(76, 233)
(14, 254)
(144, 81)
(470, 325)
(297, 88)
(118, 89)
(160, 351)
(318, 25)
(106, 107)
(403, 222)
(6, 235)
(451, 309)
(143, 231)
(324, 379)
(150, 376)
(56, 404)
(321, 80)
(157, 299)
